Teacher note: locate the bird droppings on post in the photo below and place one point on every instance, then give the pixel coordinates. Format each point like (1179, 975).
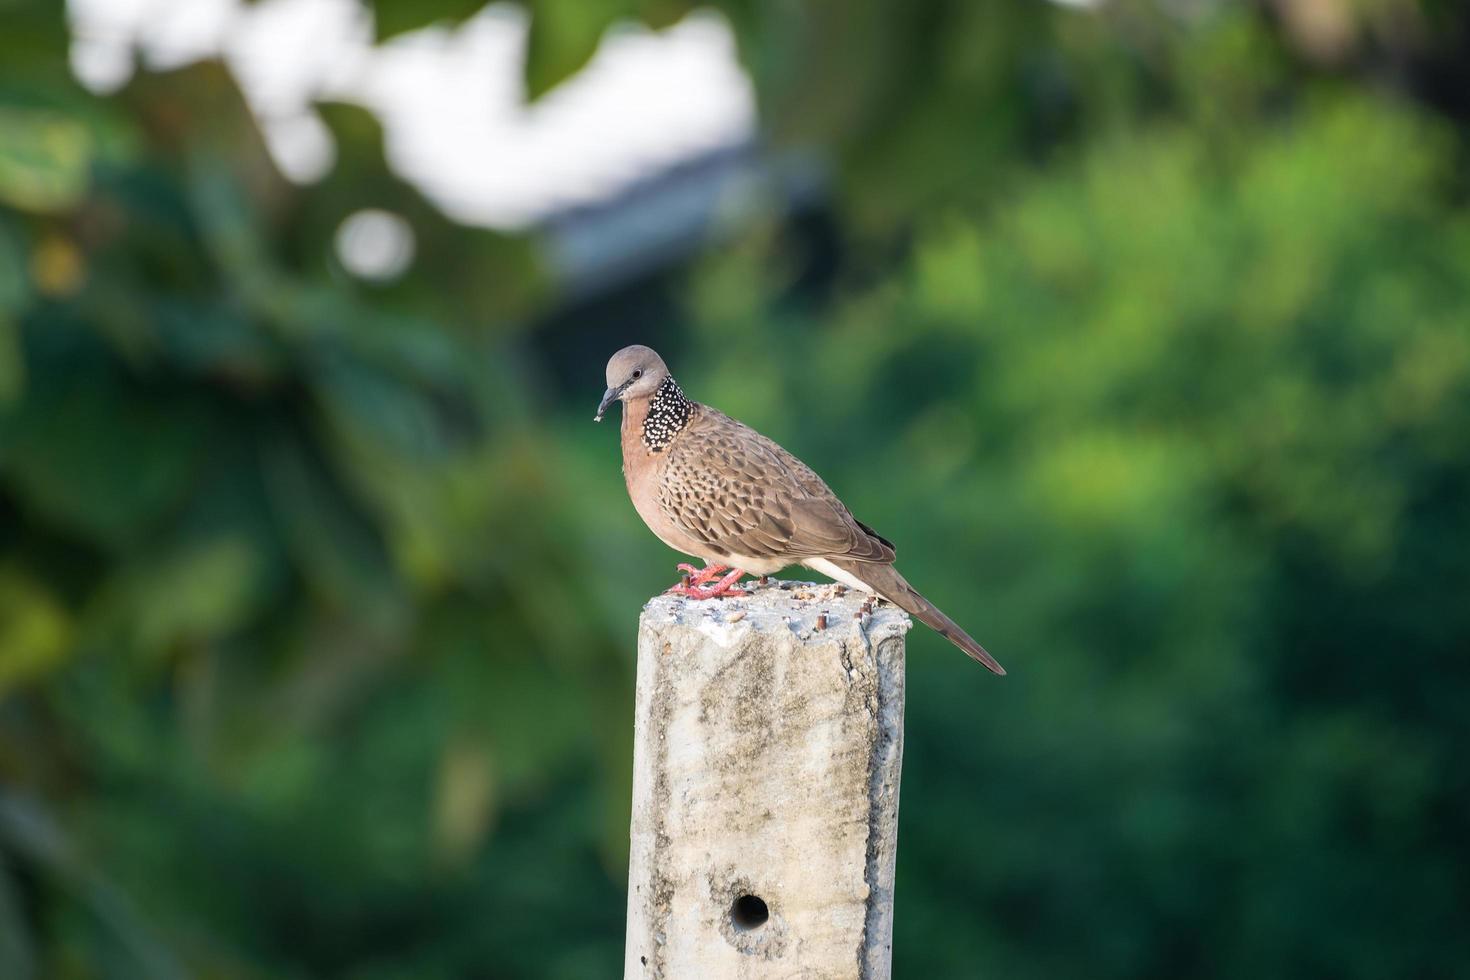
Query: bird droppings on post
(766, 768)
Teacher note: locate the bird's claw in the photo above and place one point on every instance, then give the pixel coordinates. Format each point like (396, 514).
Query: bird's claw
(695, 592)
(699, 576)
(694, 586)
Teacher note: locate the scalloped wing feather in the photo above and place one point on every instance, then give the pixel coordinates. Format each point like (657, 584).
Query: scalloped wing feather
(730, 487)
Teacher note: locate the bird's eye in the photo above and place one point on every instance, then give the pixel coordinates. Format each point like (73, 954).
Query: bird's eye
(637, 374)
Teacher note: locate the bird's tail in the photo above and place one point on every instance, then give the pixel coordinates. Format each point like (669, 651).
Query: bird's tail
(888, 583)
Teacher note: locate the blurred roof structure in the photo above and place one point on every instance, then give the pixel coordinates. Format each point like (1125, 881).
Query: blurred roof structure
(629, 159)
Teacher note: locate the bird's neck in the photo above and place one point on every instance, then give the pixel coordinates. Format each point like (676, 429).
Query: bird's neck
(653, 422)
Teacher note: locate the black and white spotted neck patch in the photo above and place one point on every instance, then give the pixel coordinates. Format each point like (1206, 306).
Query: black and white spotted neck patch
(668, 412)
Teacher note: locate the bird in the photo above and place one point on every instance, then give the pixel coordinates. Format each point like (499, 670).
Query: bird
(716, 489)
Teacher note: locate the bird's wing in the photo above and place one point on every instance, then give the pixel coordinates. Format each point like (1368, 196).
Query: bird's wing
(737, 491)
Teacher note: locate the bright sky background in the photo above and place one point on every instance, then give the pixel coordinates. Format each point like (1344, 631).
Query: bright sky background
(451, 101)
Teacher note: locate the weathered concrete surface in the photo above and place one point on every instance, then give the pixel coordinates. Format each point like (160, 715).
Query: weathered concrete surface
(766, 766)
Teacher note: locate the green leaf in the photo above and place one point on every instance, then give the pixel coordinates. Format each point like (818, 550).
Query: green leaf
(12, 361)
(45, 159)
(204, 338)
(564, 36)
(330, 538)
(464, 798)
(659, 14)
(17, 958)
(96, 455)
(35, 629)
(200, 590)
(33, 45)
(14, 292)
(14, 287)
(393, 17)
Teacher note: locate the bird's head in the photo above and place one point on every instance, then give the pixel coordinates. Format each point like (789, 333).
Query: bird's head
(633, 372)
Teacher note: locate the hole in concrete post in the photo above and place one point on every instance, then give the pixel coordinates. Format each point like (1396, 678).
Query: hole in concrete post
(748, 912)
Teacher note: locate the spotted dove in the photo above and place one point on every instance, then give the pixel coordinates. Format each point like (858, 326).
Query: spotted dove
(714, 488)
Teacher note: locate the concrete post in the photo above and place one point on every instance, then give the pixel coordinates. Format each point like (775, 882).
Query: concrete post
(767, 746)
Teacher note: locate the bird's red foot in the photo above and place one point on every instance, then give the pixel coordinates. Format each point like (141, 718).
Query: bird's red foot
(724, 587)
(699, 576)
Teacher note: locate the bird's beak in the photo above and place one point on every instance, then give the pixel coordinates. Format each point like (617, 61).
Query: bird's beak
(608, 397)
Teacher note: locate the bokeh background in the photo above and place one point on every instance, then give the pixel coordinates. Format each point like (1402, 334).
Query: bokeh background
(1143, 327)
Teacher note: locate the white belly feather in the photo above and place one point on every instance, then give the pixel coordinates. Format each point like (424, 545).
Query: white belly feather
(830, 570)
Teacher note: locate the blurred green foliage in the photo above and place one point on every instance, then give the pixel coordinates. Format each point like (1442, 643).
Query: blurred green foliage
(1143, 330)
